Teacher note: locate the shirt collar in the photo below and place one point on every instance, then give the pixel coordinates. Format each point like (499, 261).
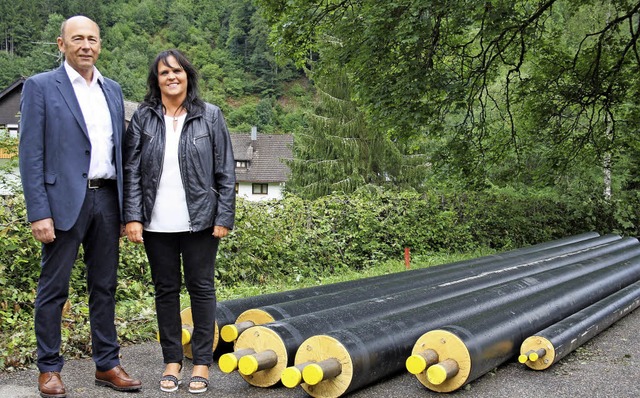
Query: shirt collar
(74, 75)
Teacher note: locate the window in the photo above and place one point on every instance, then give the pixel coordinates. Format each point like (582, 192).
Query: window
(13, 130)
(241, 164)
(260, 189)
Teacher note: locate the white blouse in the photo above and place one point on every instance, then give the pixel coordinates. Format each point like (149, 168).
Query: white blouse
(170, 213)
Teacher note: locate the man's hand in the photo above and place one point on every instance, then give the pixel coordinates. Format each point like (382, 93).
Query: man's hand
(133, 230)
(220, 232)
(43, 230)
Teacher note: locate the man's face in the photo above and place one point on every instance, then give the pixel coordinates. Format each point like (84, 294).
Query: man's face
(81, 44)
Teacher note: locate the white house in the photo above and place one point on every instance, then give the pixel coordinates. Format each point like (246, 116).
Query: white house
(261, 173)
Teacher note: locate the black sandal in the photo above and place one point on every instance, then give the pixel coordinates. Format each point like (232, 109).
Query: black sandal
(176, 380)
(198, 379)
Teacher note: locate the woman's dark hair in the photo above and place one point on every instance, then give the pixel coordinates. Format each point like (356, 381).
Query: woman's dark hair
(153, 97)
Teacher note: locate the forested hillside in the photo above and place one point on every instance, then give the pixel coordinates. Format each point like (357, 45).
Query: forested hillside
(411, 94)
(226, 40)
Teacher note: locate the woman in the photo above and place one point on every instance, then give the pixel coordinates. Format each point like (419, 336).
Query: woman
(179, 200)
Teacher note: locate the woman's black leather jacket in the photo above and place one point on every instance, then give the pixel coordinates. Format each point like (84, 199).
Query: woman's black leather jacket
(206, 164)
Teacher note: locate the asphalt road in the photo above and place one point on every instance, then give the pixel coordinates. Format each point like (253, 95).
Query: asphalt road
(606, 367)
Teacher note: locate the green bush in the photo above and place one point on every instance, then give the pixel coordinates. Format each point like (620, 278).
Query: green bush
(282, 242)
(294, 237)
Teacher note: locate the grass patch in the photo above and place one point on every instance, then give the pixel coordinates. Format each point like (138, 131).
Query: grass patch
(382, 268)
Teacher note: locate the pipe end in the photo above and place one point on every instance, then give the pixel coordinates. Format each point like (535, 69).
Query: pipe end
(228, 363)
(312, 374)
(186, 336)
(248, 365)
(416, 364)
(291, 377)
(229, 333)
(437, 374)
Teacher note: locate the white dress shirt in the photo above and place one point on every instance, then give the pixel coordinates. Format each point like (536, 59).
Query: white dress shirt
(97, 118)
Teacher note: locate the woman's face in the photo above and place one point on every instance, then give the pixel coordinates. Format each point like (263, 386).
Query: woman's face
(172, 80)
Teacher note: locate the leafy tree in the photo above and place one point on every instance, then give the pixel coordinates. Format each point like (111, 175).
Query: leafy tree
(265, 115)
(9, 69)
(239, 25)
(44, 55)
(543, 87)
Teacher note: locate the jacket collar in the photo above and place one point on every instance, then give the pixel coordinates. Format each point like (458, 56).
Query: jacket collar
(66, 89)
(196, 111)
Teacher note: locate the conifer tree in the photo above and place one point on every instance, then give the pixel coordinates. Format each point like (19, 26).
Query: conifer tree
(339, 151)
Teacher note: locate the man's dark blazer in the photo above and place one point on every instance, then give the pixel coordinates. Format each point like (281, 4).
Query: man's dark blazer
(54, 150)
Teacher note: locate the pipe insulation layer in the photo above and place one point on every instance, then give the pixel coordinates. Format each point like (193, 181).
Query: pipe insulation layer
(284, 337)
(489, 338)
(552, 344)
(378, 348)
(259, 310)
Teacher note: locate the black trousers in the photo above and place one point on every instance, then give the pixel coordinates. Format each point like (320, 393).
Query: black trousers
(98, 231)
(198, 253)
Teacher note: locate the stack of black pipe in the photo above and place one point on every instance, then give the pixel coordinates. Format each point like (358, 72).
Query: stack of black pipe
(447, 324)
(228, 312)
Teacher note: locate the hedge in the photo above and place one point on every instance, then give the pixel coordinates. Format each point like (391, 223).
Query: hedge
(292, 238)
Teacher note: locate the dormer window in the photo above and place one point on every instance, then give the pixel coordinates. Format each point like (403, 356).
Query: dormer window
(241, 164)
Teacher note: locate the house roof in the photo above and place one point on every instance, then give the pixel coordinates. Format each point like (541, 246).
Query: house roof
(264, 157)
(10, 103)
(16, 84)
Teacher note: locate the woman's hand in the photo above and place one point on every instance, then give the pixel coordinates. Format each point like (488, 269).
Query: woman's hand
(133, 230)
(220, 232)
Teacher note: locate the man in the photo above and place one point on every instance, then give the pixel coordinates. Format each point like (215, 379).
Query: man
(72, 121)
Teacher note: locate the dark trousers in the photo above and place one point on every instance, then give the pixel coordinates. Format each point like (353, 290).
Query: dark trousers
(98, 231)
(198, 252)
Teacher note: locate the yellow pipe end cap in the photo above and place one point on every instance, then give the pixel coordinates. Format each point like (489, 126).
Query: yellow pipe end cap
(312, 374)
(523, 358)
(228, 363)
(248, 365)
(291, 377)
(186, 337)
(436, 374)
(416, 364)
(229, 333)
(534, 356)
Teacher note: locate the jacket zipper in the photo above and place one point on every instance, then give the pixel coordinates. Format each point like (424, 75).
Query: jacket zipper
(180, 166)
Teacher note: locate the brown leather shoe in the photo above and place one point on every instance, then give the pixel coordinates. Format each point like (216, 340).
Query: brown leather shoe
(50, 385)
(117, 379)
